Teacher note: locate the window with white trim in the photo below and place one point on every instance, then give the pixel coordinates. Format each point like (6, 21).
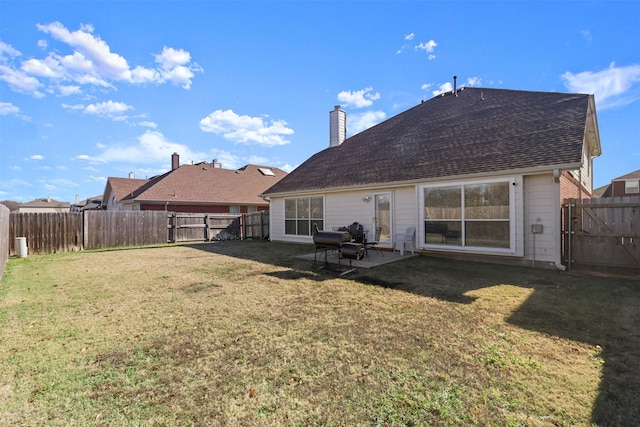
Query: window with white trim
(300, 214)
(476, 215)
(632, 187)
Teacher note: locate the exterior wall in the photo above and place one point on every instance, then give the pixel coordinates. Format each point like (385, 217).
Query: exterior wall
(570, 187)
(535, 197)
(539, 209)
(618, 189)
(44, 210)
(405, 212)
(578, 184)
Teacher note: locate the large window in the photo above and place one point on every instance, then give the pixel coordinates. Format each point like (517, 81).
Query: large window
(301, 214)
(471, 215)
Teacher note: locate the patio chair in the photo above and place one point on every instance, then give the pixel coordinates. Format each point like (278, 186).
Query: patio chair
(373, 243)
(405, 241)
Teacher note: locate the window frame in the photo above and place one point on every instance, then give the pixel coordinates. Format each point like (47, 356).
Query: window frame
(298, 220)
(463, 246)
(635, 189)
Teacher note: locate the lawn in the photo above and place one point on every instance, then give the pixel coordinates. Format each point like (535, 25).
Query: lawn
(244, 333)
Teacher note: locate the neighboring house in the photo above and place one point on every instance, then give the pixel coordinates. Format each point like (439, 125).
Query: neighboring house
(92, 203)
(476, 171)
(46, 205)
(625, 185)
(200, 188)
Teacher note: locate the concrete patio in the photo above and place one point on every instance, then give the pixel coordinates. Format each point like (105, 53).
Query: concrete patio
(375, 258)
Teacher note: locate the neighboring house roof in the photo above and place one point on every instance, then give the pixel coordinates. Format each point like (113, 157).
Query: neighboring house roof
(477, 131)
(632, 175)
(46, 202)
(200, 184)
(607, 190)
(604, 191)
(122, 187)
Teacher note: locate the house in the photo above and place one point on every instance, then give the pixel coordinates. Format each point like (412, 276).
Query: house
(625, 185)
(479, 173)
(200, 188)
(92, 203)
(44, 205)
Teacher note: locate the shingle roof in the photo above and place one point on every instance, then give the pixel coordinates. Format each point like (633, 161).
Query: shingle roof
(45, 203)
(124, 187)
(632, 175)
(478, 131)
(202, 183)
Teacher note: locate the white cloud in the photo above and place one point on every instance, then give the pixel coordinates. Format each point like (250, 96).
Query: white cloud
(245, 129)
(258, 160)
(148, 124)
(426, 86)
(152, 147)
(35, 157)
(69, 90)
(361, 121)
(444, 87)
(20, 81)
(111, 109)
(7, 50)
(587, 35)
(73, 107)
(7, 108)
(91, 62)
(427, 47)
(90, 48)
(15, 168)
(12, 184)
(287, 167)
(473, 81)
(613, 86)
(358, 99)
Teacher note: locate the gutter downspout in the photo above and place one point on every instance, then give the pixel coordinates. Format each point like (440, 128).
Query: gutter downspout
(557, 220)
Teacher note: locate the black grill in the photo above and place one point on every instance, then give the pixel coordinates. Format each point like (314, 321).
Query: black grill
(340, 241)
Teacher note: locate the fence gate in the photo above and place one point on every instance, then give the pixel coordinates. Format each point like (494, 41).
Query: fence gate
(602, 234)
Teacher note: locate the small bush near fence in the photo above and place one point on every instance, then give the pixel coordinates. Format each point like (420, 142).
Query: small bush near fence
(72, 231)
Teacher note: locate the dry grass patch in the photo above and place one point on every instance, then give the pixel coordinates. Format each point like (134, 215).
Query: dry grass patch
(244, 333)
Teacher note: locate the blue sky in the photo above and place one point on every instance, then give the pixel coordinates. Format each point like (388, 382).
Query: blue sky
(95, 89)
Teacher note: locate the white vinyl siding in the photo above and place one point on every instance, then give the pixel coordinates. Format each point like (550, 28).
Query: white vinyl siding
(540, 204)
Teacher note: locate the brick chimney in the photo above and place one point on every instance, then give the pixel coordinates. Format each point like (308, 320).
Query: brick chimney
(175, 161)
(337, 126)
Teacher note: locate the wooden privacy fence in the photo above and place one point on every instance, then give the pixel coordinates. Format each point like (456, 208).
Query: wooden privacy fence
(4, 237)
(73, 231)
(602, 234)
(112, 229)
(46, 232)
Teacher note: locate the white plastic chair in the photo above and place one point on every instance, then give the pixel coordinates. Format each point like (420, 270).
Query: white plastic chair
(405, 241)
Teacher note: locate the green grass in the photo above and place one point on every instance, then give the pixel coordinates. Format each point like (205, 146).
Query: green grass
(244, 333)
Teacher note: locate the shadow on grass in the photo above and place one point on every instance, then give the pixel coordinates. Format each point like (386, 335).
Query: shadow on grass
(597, 310)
